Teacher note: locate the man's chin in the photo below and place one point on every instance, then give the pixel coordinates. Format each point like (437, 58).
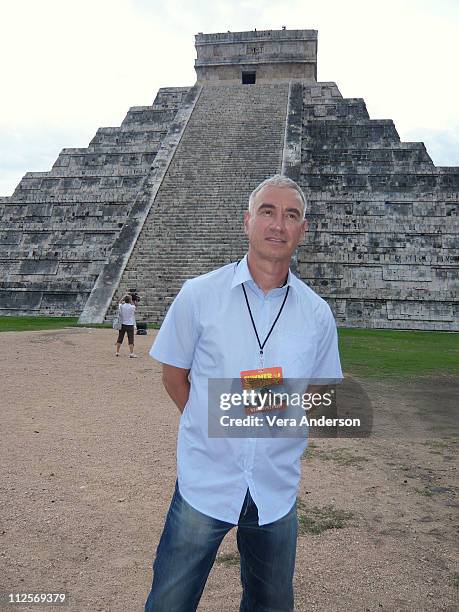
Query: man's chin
(279, 249)
(277, 255)
(267, 252)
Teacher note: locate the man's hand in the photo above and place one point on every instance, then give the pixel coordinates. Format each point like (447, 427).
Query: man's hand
(177, 385)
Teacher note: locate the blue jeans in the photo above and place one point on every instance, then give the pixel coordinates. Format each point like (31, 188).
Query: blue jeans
(189, 545)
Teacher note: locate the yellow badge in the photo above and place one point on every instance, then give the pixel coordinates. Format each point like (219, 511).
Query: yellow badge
(263, 377)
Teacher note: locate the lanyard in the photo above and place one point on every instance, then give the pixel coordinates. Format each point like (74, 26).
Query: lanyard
(272, 326)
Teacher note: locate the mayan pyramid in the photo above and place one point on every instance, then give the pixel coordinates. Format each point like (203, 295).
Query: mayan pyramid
(160, 198)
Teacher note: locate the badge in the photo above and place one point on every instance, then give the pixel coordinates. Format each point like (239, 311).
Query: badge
(262, 377)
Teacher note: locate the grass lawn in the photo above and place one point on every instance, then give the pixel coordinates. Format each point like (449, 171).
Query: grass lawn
(38, 323)
(366, 352)
(392, 353)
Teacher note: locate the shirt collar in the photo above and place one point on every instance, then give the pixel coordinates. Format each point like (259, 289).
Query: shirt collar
(242, 274)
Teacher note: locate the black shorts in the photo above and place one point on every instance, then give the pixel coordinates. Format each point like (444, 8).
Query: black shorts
(126, 329)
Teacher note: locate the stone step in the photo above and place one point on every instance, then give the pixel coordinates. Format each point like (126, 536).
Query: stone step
(90, 161)
(231, 143)
(89, 188)
(414, 183)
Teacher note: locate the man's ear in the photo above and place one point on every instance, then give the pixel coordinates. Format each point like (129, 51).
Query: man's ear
(304, 229)
(246, 222)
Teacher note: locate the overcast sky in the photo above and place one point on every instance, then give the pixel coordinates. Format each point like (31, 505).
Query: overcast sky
(71, 66)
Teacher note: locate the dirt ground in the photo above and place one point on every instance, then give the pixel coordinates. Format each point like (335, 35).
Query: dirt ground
(88, 470)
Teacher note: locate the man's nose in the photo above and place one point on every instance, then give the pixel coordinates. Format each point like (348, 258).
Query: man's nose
(279, 222)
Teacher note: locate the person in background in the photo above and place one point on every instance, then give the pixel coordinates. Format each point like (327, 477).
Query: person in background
(128, 325)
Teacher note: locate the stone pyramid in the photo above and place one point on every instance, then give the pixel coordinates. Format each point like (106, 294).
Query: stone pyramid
(160, 199)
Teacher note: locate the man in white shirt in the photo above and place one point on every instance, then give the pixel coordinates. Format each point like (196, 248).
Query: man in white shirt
(127, 318)
(254, 316)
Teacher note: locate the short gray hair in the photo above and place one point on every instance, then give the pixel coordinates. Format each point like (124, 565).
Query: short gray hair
(278, 180)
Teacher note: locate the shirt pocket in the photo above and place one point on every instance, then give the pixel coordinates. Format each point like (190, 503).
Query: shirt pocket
(298, 354)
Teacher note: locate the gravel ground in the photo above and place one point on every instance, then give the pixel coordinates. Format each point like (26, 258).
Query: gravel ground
(88, 470)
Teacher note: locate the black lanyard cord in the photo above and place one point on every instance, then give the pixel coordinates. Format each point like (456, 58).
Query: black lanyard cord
(253, 322)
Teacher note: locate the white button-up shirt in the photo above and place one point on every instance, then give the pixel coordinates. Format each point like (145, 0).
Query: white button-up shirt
(208, 331)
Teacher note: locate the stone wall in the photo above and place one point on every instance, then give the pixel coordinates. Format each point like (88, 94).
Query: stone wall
(275, 55)
(382, 247)
(58, 227)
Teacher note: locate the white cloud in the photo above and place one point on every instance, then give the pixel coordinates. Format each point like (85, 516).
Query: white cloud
(442, 145)
(70, 67)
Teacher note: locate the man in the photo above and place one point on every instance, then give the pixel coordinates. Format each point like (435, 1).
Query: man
(242, 317)
(128, 325)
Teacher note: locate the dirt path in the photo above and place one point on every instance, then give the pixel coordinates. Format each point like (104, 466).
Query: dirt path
(88, 469)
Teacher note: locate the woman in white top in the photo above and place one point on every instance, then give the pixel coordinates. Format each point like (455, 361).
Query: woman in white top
(127, 318)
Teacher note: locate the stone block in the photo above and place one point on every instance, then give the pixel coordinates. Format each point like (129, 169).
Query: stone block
(38, 266)
(69, 238)
(417, 311)
(64, 304)
(30, 183)
(21, 301)
(37, 239)
(407, 273)
(39, 210)
(111, 182)
(404, 209)
(10, 237)
(450, 241)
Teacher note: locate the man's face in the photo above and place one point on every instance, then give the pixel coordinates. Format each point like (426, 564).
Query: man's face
(276, 225)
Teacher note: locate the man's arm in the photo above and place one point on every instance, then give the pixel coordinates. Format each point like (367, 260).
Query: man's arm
(177, 385)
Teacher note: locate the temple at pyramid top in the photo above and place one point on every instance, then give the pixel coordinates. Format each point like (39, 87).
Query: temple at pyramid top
(259, 56)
